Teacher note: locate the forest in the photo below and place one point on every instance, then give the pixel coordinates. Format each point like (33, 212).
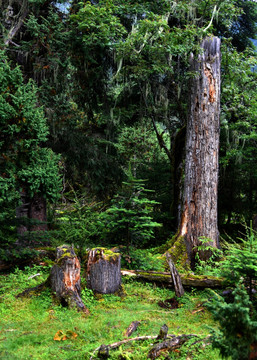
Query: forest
(128, 179)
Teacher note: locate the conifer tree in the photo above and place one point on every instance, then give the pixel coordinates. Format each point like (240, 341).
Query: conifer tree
(27, 168)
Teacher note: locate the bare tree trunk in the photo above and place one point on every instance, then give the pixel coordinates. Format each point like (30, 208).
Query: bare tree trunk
(22, 215)
(199, 217)
(31, 216)
(37, 213)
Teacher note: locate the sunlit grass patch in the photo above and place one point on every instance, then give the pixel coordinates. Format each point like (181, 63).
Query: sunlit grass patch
(29, 325)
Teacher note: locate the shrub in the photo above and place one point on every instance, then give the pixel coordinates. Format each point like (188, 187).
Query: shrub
(237, 314)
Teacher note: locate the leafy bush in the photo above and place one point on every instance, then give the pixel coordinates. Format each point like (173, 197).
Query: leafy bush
(212, 265)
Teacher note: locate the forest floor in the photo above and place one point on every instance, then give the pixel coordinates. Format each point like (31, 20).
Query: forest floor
(35, 328)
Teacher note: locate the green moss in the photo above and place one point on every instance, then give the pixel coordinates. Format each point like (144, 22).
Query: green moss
(179, 254)
(68, 252)
(202, 277)
(121, 292)
(46, 248)
(48, 262)
(107, 254)
(165, 247)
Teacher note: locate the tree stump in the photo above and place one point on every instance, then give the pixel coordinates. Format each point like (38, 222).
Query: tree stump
(103, 271)
(65, 278)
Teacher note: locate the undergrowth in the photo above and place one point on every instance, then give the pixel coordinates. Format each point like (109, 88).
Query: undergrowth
(29, 325)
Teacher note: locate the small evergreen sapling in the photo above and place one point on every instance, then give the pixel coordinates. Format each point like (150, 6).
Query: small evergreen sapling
(129, 219)
(238, 324)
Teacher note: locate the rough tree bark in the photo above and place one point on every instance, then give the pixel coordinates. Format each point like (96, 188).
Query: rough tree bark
(103, 271)
(65, 278)
(199, 216)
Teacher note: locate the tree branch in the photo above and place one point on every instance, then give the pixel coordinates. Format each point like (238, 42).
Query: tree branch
(160, 140)
(171, 340)
(14, 30)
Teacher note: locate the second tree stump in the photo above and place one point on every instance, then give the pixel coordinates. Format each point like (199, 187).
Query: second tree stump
(103, 271)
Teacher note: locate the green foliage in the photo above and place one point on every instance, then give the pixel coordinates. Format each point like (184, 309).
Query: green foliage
(25, 165)
(213, 264)
(238, 135)
(76, 222)
(239, 24)
(241, 260)
(237, 314)
(98, 24)
(23, 129)
(141, 259)
(128, 220)
(238, 324)
(87, 296)
(28, 325)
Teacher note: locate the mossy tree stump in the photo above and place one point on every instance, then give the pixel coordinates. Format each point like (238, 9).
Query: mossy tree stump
(65, 278)
(103, 271)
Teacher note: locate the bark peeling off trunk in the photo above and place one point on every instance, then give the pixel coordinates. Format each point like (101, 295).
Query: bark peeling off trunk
(65, 278)
(103, 271)
(202, 146)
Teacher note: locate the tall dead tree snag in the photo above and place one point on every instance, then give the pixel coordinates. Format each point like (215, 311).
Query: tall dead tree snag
(199, 216)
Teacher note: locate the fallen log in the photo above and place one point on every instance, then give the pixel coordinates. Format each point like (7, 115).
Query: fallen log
(188, 280)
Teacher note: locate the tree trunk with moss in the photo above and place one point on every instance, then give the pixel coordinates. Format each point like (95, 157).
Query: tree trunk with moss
(103, 271)
(65, 278)
(199, 215)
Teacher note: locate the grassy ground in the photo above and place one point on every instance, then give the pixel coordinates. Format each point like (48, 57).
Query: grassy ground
(28, 325)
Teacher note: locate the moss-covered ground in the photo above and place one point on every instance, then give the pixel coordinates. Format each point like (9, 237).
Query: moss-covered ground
(28, 325)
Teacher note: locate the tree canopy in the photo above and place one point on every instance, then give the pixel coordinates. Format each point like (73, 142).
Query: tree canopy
(101, 87)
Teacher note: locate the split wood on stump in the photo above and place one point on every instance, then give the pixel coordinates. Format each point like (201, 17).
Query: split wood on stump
(179, 290)
(103, 271)
(65, 278)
